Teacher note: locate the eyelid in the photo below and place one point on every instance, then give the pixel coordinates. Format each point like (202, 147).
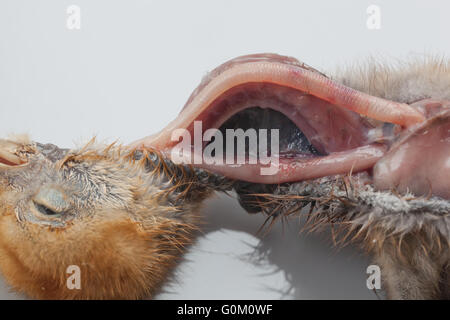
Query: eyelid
(52, 199)
(44, 210)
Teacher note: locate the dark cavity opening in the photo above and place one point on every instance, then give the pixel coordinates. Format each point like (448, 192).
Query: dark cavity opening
(292, 142)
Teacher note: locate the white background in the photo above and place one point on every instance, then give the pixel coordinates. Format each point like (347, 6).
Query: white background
(128, 71)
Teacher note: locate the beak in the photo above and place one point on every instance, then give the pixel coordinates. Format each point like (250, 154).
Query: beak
(11, 154)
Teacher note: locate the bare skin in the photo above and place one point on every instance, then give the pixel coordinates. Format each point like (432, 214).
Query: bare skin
(373, 163)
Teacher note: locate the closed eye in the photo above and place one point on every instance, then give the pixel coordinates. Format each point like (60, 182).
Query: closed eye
(45, 210)
(50, 201)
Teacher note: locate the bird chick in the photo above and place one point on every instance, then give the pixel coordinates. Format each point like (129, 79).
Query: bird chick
(123, 217)
(367, 153)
